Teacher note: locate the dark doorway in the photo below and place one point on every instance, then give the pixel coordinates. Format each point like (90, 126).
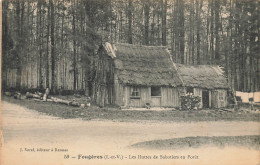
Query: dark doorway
(205, 99)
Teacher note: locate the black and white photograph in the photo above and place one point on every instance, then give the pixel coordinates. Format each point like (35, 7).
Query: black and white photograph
(111, 82)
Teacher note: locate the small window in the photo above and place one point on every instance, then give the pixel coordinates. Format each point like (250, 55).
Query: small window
(155, 91)
(221, 96)
(189, 90)
(135, 92)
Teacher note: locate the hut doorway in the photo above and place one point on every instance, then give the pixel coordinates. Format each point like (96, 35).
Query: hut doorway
(205, 99)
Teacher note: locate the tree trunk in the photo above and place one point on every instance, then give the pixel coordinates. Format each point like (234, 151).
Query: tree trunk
(39, 25)
(19, 19)
(230, 36)
(164, 17)
(74, 51)
(47, 47)
(130, 21)
(62, 46)
(182, 31)
(53, 67)
(198, 9)
(217, 55)
(146, 22)
(212, 32)
(208, 35)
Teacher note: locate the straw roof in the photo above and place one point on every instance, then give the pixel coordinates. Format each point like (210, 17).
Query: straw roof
(143, 65)
(153, 66)
(203, 76)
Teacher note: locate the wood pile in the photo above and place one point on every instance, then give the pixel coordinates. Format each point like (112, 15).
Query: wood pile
(43, 97)
(38, 96)
(60, 101)
(190, 102)
(16, 95)
(29, 95)
(8, 94)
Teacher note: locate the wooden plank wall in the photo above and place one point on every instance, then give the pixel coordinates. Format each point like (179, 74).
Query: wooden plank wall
(156, 101)
(145, 94)
(210, 97)
(145, 97)
(224, 102)
(169, 97)
(214, 99)
(198, 92)
(225, 98)
(119, 95)
(216, 103)
(103, 88)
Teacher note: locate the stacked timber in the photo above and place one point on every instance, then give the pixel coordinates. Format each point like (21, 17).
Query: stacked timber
(29, 95)
(16, 95)
(8, 94)
(43, 97)
(190, 102)
(60, 101)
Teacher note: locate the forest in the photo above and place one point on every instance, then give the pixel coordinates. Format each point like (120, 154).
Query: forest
(53, 43)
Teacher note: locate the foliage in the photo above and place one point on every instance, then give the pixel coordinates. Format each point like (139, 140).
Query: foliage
(57, 39)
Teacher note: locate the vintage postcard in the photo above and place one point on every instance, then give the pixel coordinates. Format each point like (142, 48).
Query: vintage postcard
(171, 82)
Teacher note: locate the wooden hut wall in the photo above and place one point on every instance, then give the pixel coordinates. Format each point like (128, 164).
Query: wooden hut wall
(222, 102)
(127, 95)
(225, 98)
(210, 97)
(145, 96)
(169, 97)
(127, 91)
(198, 92)
(216, 100)
(119, 95)
(104, 92)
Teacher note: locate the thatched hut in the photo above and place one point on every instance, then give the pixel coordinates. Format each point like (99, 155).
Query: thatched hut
(135, 76)
(206, 81)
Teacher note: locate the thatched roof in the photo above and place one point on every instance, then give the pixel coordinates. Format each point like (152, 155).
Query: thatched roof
(203, 76)
(143, 65)
(153, 66)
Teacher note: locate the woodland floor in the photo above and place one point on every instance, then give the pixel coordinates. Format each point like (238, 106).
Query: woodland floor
(112, 113)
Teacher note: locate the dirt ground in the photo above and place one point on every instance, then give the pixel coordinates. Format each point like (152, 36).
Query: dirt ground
(249, 141)
(115, 114)
(25, 129)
